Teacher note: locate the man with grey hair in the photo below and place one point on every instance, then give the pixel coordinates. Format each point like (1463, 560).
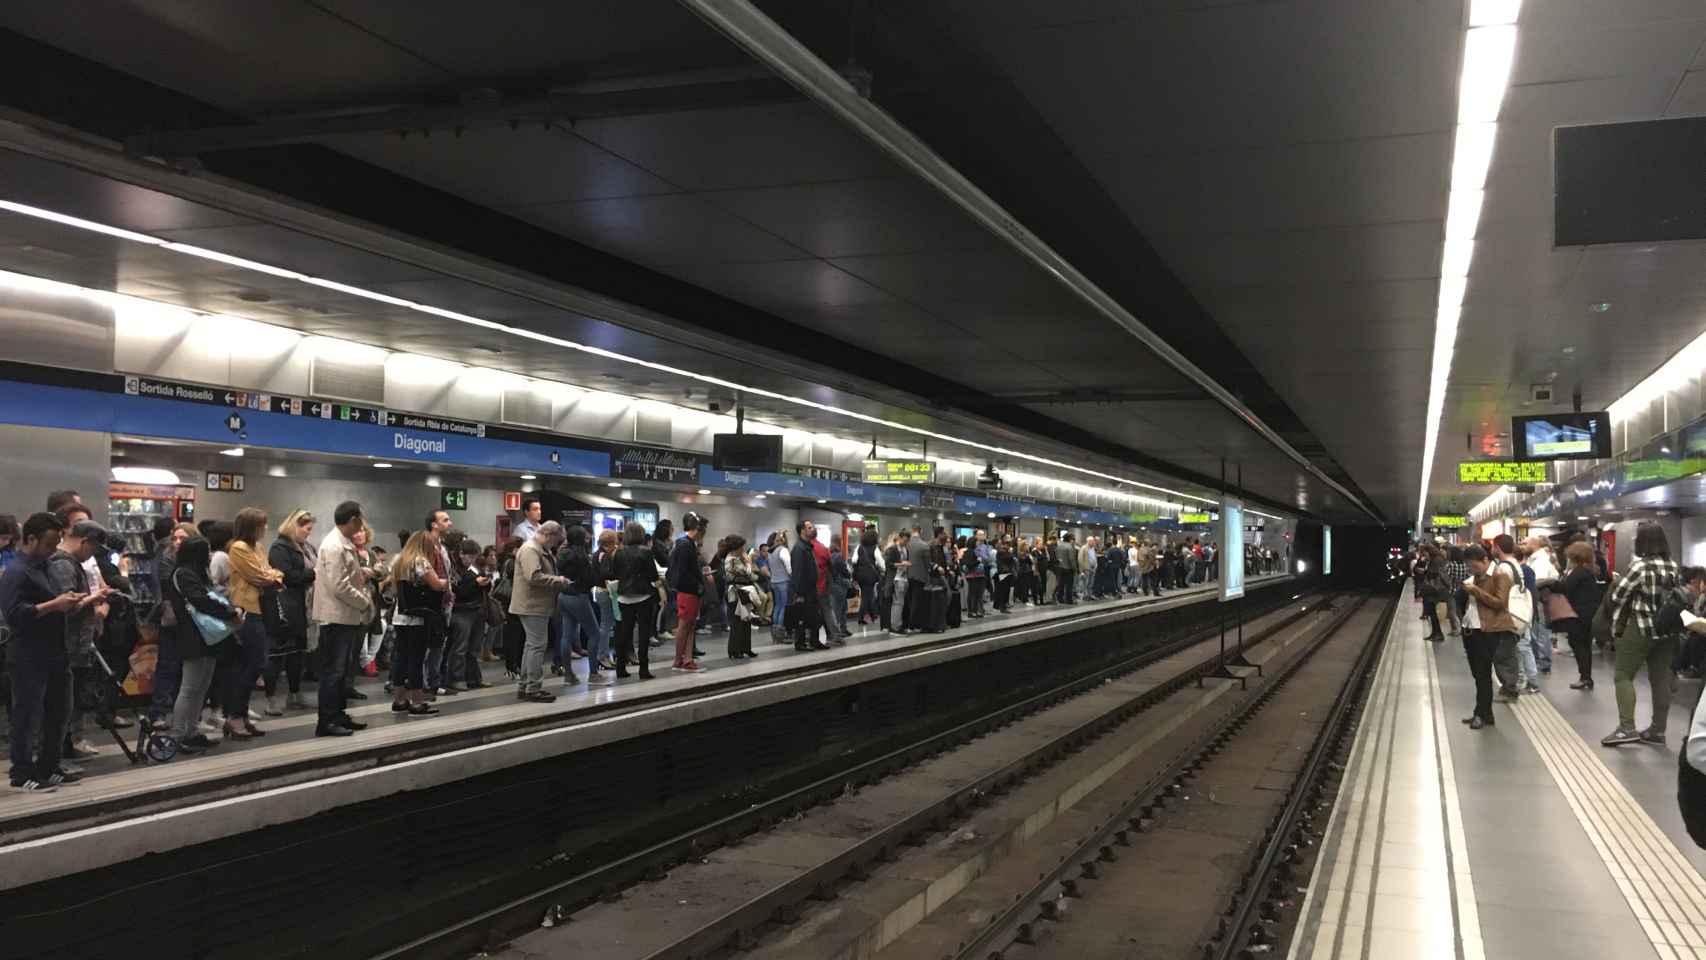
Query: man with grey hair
(533, 600)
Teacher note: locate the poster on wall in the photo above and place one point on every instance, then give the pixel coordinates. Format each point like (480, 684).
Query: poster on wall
(1231, 549)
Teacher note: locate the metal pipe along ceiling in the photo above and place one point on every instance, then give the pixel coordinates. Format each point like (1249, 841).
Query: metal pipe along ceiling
(762, 37)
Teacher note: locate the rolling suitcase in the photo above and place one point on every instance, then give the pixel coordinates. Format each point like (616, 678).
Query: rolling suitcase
(935, 608)
(952, 618)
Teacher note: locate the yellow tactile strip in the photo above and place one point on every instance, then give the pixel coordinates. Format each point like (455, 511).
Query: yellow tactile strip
(1665, 892)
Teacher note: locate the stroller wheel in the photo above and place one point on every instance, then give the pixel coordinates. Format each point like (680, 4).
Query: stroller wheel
(161, 747)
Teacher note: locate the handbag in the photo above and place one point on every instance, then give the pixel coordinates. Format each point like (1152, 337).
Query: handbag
(1558, 608)
(213, 630)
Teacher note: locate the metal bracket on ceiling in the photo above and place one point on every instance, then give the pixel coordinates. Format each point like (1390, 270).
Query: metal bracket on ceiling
(747, 26)
(485, 108)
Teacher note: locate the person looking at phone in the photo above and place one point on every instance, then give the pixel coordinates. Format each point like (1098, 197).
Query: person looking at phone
(41, 685)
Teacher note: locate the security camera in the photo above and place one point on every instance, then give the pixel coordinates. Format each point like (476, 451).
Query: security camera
(714, 407)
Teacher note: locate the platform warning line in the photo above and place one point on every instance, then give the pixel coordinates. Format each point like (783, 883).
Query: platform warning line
(1394, 845)
(1663, 890)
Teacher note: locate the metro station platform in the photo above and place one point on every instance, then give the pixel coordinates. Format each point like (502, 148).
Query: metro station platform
(1523, 840)
(118, 813)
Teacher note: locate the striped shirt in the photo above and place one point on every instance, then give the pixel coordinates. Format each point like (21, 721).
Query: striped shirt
(1641, 592)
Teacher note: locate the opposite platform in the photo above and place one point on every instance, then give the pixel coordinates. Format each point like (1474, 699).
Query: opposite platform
(291, 776)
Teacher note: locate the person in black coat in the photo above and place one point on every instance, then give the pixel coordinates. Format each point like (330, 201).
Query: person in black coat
(802, 589)
(286, 611)
(190, 588)
(867, 575)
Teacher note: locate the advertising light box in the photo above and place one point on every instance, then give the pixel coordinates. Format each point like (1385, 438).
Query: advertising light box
(1501, 471)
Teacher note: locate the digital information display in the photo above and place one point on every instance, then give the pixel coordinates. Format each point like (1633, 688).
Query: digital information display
(1562, 436)
(1326, 551)
(1195, 518)
(1231, 549)
(1448, 522)
(1501, 471)
(900, 471)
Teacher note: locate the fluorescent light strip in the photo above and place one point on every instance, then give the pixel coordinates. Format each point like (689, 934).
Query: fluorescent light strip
(207, 254)
(1489, 49)
(79, 223)
(595, 351)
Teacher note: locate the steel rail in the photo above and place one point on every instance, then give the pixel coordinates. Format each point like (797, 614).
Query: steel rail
(1012, 923)
(606, 879)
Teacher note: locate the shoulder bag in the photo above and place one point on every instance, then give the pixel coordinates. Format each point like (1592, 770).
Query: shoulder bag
(213, 630)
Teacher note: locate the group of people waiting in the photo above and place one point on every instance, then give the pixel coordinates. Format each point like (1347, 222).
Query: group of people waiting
(1508, 601)
(245, 605)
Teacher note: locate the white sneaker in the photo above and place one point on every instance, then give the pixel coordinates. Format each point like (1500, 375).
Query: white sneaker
(210, 727)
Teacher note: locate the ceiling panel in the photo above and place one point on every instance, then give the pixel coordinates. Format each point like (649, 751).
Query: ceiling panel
(536, 38)
(764, 146)
(239, 55)
(784, 286)
(507, 167)
(674, 229)
(853, 218)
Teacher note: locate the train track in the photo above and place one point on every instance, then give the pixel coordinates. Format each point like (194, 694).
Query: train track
(592, 903)
(1201, 856)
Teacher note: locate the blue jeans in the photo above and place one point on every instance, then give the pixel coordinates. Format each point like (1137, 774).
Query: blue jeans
(1540, 639)
(168, 672)
(250, 660)
(580, 628)
(606, 609)
(1525, 658)
(779, 599)
(41, 705)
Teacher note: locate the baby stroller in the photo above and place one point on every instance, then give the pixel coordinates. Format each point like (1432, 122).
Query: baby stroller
(152, 741)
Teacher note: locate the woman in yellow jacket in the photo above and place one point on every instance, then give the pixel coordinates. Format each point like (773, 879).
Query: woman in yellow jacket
(251, 576)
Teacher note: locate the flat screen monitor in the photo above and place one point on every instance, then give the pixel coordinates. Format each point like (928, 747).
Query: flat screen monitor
(1562, 436)
(756, 452)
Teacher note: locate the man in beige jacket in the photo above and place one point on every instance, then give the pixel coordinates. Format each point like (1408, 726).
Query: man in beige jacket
(533, 599)
(343, 608)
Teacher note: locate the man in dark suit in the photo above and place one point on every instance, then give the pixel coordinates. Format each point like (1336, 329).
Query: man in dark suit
(917, 578)
(802, 588)
(1066, 564)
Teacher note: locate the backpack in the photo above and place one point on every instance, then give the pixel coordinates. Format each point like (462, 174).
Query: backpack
(1519, 601)
(1668, 622)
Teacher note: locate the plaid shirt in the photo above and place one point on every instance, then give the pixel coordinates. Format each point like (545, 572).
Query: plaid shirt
(1641, 592)
(1456, 571)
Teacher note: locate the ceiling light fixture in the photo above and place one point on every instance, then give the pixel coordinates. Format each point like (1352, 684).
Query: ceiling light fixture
(529, 476)
(382, 466)
(614, 483)
(354, 291)
(1489, 48)
(148, 475)
(704, 493)
(232, 452)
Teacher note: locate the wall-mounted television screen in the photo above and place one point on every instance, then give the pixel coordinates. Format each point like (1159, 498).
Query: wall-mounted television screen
(757, 452)
(1562, 436)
